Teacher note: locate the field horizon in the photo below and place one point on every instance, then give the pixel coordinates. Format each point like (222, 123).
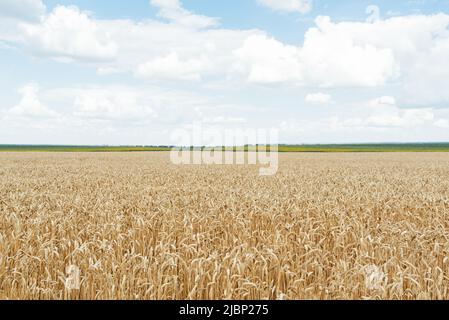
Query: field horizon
(301, 148)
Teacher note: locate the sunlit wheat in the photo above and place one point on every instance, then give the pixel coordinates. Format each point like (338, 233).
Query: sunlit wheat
(327, 226)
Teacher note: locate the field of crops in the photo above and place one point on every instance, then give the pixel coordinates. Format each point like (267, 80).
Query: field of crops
(134, 226)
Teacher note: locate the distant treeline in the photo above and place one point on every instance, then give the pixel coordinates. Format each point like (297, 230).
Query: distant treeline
(378, 147)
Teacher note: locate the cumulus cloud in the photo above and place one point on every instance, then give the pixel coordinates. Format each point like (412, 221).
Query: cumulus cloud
(111, 105)
(344, 54)
(385, 112)
(358, 54)
(191, 47)
(266, 60)
(68, 33)
(111, 114)
(173, 11)
(184, 49)
(158, 50)
(171, 67)
(319, 98)
(379, 115)
(223, 120)
(442, 123)
(426, 80)
(30, 105)
(126, 105)
(382, 112)
(301, 6)
(329, 57)
(27, 10)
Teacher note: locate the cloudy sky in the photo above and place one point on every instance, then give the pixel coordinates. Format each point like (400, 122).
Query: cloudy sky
(130, 72)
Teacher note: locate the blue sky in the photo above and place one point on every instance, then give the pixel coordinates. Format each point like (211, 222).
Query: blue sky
(116, 72)
(246, 14)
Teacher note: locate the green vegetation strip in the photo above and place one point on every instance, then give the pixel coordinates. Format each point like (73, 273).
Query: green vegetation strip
(409, 147)
(10, 148)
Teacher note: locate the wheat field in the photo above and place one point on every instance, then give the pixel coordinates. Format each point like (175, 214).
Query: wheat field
(327, 226)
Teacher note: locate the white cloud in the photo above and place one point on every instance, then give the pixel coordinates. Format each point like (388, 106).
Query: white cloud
(173, 11)
(28, 10)
(358, 54)
(266, 60)
(328, 58)
(319, 97)
(223, 120)
(68, 33)
(382, 101)
(191, 47)
(170, 67)
(442, 123)
(180, 50)
(125, 105)
(382, 112)
(427, 78)
(114, 114)
(301, 6)
(30, 105)
(413, 41)
(345, 54)
(158, 50)
(396, 117)
(364, 123)
(334, 58)
(106, 104)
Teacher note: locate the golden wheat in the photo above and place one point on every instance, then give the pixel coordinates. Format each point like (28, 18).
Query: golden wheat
(327, 226)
